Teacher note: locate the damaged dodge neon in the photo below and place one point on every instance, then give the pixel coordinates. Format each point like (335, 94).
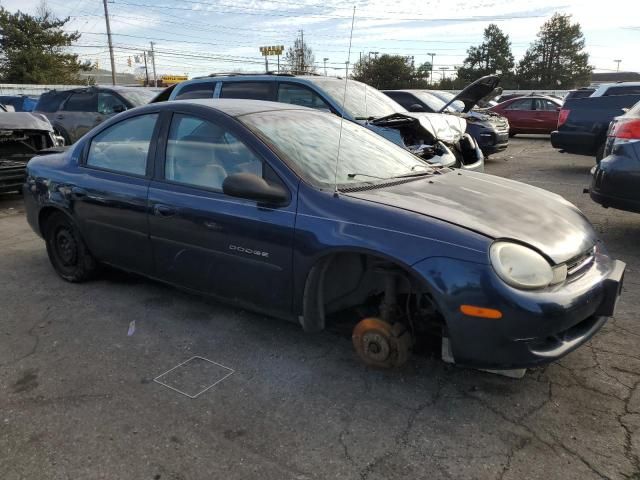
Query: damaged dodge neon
(237, 200)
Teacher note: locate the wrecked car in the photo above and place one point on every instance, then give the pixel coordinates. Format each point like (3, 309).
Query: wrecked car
(439, 139)
(233, 199)
(490, 130)
(22, 135)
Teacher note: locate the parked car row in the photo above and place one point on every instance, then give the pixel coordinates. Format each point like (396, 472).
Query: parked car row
(283, 195)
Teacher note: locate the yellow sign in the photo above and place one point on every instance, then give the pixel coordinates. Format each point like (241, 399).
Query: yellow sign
(272, 50)
(171, 79)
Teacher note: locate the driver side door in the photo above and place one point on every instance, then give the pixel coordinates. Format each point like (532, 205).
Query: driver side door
(205, 240)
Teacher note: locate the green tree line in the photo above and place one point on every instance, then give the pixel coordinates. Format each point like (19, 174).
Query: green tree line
(555, 60)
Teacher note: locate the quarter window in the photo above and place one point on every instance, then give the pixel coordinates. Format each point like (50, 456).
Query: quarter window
(82, 102)
(249, 90)
(203, 154)
(123, 147)
(298, 95)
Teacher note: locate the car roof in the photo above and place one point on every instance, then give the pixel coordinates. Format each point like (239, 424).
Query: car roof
(236, 107)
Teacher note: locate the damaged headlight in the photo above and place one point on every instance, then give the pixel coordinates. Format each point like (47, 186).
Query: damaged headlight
(524, 268)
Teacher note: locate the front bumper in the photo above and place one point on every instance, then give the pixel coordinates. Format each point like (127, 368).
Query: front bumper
(537, 327)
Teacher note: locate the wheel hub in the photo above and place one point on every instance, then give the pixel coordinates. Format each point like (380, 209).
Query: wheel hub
(381, 344)
(66, 247)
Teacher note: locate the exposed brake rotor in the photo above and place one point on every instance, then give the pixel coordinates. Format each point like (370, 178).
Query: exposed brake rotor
(381, 344)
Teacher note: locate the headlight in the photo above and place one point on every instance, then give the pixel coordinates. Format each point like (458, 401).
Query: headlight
(522, 267)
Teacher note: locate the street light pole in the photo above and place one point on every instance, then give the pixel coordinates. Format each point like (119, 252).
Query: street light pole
(153, 64)
(324, 60)
(618, 66)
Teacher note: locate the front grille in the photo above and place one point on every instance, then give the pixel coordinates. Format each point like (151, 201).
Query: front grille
(580, 262)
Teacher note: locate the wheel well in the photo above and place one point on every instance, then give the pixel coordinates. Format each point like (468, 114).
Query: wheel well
(357, 282)
(44, 216)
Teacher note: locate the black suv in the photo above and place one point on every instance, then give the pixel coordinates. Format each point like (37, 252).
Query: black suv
(74, 112)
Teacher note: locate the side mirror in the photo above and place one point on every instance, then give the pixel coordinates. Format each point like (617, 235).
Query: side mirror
(416, 107)
(253, 187)
(119, 108)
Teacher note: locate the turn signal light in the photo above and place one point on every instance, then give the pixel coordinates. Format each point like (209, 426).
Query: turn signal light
(628, 128)
(562, 116)
(481, 312)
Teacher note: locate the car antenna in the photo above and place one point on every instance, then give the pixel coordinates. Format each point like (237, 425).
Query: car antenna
(344, 99)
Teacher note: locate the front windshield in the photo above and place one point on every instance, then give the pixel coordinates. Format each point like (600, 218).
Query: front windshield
(362, 101)
(138, 97)
(308, 142)
(457, 106)
(433, 102)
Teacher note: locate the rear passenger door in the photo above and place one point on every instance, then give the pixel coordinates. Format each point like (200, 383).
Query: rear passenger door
(110, 197)
(204, 240)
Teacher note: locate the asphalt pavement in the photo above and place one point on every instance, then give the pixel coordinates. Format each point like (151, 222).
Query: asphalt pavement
(88, 388)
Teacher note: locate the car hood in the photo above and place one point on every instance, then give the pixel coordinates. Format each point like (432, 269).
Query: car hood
(495, 207)
(446, 128)
(24, 121)
(482, 88)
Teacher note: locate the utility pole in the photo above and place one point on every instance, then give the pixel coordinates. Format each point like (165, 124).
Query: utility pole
(153, 64)
(146, 70)
(324, 60)
(431, 55)
(113, 62)
(618, 66)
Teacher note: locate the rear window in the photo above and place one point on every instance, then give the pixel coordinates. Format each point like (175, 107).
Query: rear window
(196, 90)
(248, 90)
(50, 101)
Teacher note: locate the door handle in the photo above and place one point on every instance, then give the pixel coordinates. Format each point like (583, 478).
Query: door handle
(59, 117)
(163, 210)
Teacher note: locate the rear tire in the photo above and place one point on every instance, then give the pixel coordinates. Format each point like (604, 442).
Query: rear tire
(67, 251)
(511, 134)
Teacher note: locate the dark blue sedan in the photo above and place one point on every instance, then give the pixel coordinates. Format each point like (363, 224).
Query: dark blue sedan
(283, 210)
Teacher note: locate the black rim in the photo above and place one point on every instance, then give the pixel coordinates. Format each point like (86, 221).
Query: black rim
(65, 247)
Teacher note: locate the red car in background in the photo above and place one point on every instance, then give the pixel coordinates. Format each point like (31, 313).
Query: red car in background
(532, 114)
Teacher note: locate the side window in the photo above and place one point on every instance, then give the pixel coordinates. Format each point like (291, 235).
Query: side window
(627, 90)
(248, 90)
(550, 106)
(524, 104)
(123, 147)
(299, 95)
(82, 102)
(203, 154)
(109, 104)
(50, 102)
(196, 90)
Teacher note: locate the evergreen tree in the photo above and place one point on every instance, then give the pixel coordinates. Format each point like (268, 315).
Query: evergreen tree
(33, 49)
(492, 56)
(386, 72)
(557, 58)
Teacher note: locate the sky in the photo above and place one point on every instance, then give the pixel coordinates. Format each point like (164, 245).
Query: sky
(198, 37)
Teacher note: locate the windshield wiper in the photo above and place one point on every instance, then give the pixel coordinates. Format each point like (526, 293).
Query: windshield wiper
(353, 175)
(415, 174)
(365, 118)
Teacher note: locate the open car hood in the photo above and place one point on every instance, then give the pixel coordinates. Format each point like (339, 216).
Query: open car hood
(24, 121)
(479, 90)
(446, 128)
